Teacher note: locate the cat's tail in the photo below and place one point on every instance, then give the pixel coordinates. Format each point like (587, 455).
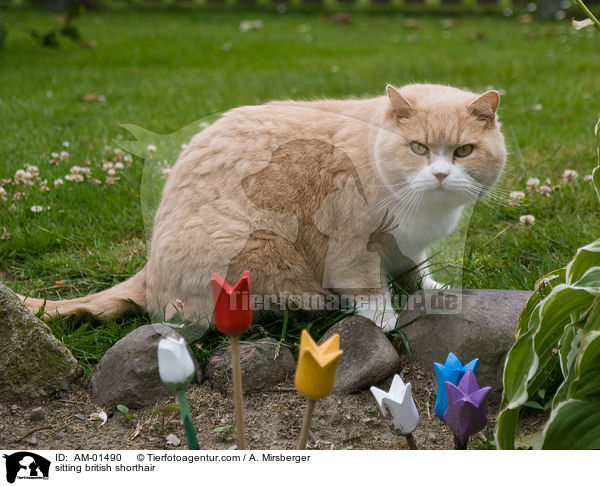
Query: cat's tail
(124, 298)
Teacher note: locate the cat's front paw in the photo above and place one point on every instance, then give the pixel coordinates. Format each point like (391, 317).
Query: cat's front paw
(386, 320)
(429, 284)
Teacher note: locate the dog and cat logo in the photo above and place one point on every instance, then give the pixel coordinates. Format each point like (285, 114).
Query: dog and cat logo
(26, 465)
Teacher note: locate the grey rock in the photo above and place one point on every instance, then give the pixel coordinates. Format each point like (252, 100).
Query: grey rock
(472, 323)
(37, 414)
(368, 356)
(32, 360)
(32, 441)
(128, 372)
(264, 363)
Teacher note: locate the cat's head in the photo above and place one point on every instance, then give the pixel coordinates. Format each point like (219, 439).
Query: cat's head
(440, 143)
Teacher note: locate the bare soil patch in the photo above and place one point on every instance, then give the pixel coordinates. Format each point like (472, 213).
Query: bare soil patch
(273, 421)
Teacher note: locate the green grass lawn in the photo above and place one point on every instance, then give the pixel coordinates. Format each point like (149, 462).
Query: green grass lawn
(164, 70)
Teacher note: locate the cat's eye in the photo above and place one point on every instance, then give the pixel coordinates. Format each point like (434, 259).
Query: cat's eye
(463, 150)
(418, 148)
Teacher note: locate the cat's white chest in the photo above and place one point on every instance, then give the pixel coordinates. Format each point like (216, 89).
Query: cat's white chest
(428, 225)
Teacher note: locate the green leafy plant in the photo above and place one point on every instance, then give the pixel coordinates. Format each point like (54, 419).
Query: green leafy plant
(162, 413)
(224, 432)
(557, 348)
(127, 415)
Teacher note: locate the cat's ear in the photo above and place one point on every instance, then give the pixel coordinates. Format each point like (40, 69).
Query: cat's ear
(400, 105)
(484, 107)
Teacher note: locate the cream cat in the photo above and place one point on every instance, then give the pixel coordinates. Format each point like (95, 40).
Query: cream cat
(309, 196)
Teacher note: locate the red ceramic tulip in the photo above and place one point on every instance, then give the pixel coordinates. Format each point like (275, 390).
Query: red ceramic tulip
(233, 314)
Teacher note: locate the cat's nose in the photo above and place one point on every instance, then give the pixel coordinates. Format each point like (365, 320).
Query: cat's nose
(440, 176)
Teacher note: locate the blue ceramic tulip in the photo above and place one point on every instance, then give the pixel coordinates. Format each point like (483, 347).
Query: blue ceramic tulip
(452, 371)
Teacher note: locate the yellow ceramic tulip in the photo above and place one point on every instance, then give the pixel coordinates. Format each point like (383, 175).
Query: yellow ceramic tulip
(317, 365)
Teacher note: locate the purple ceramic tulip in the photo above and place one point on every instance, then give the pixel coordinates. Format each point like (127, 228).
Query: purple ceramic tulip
(466, 415)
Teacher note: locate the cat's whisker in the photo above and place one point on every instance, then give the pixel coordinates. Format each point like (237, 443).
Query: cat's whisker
(386, 201)
(406, 206)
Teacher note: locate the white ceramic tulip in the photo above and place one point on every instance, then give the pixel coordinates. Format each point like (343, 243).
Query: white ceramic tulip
(175, 365)
(398, 406)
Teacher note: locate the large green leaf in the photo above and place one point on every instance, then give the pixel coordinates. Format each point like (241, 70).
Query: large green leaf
(543, 287)
(590, 279)
(568, 348)
(519, 361)
(575, 424)
(596, 177)
(585, 258)
(506, 428)
(564, 305)
(585, 384)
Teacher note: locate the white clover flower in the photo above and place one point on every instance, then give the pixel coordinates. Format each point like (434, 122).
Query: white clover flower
(23, 177)
(128, 158)
(151, 148)
(107, 165)
(398, 405)
(569, 175)
(527, 220)
(117, 151)
(76, 170)
(119, 166)
(533, 184)
(54, 155)
(58, 182)
(2, 194)
(545, 190)
(588, 178)
(33, 170)
(66, 144)
(175, 364)
(165, 168)
(74, 177)
(37, 209)
(64, 155)
(516, 197)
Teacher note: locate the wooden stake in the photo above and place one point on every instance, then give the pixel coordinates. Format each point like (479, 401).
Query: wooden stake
(410, 440)
(308, 413)
(459, 445)
(237, 390)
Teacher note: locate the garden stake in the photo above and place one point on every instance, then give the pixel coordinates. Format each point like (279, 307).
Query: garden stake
(237, 390)
(186, 416)
(410, 440)
(233, 316)
(315, 375)
(308, 413)
(459, 445)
